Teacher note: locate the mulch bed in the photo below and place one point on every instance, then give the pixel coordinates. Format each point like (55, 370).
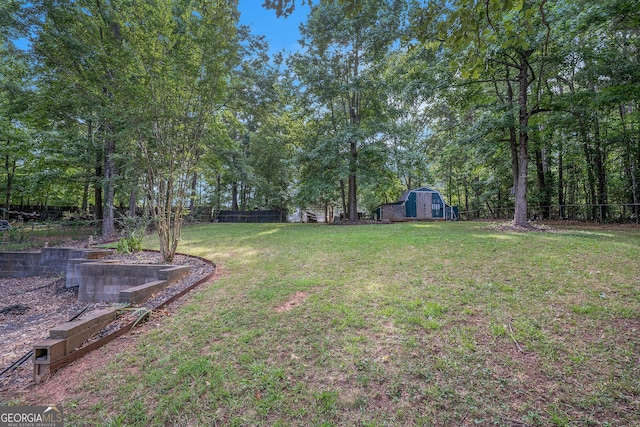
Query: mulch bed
(29, 307)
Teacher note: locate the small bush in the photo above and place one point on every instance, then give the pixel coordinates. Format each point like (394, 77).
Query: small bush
(133, 229)
(16, 234)
(130, 244)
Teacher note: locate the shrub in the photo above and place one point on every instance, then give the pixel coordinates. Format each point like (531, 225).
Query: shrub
(130, 244)
(133, 229)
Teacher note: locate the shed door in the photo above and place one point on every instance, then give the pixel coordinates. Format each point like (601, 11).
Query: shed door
(437, 206)
(423, 205)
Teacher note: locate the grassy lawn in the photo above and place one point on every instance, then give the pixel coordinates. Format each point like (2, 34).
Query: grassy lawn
(443, 324)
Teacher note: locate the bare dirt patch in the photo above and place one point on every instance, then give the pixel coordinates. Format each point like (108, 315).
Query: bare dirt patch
(555, 226)
(613, 226)
(295, 300)
(533, 227)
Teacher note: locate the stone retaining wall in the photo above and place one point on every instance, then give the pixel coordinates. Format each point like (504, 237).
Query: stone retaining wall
(48, 262)
(103, 281)
(98, 279)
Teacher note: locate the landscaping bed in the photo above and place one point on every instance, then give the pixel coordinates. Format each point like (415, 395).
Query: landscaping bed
(30, 306)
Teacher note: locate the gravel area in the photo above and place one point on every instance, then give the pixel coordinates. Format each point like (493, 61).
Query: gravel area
(29, 307)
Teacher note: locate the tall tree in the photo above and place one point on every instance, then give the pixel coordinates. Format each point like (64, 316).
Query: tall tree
(15, 130)
(155, 77)
(181, 53)
(15, 91)
(80, 46)
(506, 37)
(344, 47)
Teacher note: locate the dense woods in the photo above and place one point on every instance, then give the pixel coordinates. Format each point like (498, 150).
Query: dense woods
(511, 108)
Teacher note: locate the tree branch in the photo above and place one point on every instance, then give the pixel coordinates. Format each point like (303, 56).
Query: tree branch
(486, 9)
(507, 64)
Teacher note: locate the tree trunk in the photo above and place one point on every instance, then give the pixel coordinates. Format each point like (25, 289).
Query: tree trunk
(97, 193)
(97, 188)
(601, 173)
(326, 211)
(520, 216)
(561, 199)
(169, 206)
(218, 192)
(541, 172)
(234, 196)
(10, 167)
(133, 202)
(11, 172)
(192, 198)
(591, 180)
(571, 192)
(108, 221)
(560, 182)
(85, 195)
(466, 196)
(353, 201)
(634, 188)
(243, 197)
(513, 140)
(450, 185)
(345, 208)
(513, 145)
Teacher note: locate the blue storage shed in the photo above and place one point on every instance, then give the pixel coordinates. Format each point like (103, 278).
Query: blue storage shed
(420, 204)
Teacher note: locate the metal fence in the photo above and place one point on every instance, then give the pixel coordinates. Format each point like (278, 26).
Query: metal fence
(274, 215)
(605, 213)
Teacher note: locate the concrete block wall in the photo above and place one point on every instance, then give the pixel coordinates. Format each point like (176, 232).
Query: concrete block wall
(103, 281)
(53, 261)
(74, 276)
(48, 262)
(20, 264)
(98, 280)
(67, 338)
(139, 294)
(173, 273)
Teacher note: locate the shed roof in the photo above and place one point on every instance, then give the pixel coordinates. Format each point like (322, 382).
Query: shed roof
(405, 195)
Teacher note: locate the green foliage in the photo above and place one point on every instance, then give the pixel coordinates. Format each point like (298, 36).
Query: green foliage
(346, 48)
(140, 313)
(131, 244)
(15, 234)
(17, 125)
(150, 82)
(134, 229)
(31, 236)
(391, 94)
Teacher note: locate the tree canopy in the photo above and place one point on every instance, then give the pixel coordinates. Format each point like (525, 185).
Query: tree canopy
(519, 109)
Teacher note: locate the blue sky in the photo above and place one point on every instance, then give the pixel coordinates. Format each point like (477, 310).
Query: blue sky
(281, 33)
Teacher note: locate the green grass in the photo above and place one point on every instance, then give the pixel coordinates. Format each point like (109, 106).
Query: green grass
(32, 236)
(442, 324)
